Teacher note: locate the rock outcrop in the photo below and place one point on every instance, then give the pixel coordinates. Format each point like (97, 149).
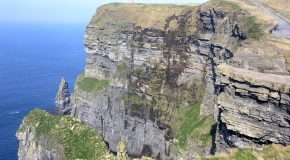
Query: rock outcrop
(62, 99)
(254, 107)
(46, 137)
(43, 149)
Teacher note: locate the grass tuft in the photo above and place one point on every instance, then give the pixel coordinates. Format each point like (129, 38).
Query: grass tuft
(252, 27)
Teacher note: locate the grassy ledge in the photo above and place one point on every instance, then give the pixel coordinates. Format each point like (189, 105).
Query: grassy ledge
(91, 84)
(194, 127)
(78, 140)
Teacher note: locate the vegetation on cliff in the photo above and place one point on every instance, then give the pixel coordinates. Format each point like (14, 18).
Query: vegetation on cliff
(187, 124)
(271, 152)
(130, 14)
(246, 22)
(91, 84)
(251, 27)
(195, 127)
(78, 140)
(227, 5)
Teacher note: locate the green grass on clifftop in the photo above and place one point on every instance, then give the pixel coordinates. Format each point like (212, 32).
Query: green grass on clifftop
(271, 152)
(78, 140)
(227, 5)
(91, 84)
(143, 15)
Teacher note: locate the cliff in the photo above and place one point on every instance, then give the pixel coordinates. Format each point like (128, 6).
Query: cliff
(182, 81)
(45, 137)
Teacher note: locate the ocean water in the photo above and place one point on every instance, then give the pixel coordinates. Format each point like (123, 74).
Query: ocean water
(33, 58)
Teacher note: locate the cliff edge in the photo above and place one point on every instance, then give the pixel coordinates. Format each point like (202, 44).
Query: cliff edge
(45, 137)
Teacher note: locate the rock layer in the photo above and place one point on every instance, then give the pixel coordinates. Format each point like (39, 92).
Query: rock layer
(147, 68)
(254, 107)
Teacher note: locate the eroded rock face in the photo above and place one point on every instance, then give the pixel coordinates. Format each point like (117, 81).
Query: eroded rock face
(254, 107)
(43, 149)
(148, 70)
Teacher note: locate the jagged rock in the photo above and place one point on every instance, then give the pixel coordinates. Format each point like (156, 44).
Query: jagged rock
(251, 107)
(62, 99)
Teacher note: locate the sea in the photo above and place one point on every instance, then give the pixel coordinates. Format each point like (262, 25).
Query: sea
(33, 59)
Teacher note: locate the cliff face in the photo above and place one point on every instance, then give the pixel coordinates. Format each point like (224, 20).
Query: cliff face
(180, 81)
(149, 72)
(153, 69)
(44, 148)
(254, 107)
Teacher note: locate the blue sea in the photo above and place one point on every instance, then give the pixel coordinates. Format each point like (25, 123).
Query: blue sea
(33, 58)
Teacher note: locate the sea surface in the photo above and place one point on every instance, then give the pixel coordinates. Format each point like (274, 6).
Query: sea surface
(33, 59)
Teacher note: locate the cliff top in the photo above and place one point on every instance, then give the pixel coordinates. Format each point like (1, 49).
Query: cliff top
(122, 16)
(78, 140)
(143, 15)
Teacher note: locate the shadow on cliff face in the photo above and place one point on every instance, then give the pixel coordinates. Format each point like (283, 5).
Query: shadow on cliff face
(213, 135)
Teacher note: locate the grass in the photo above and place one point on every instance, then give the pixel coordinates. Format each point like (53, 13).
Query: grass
(281, 6)
(195, 127)
(123, 70)
(78, 140)
(226, 5)
(251, 27)
(143, 15)
(204, 130)
(271, 152)
(136, 100)
(91, 84)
